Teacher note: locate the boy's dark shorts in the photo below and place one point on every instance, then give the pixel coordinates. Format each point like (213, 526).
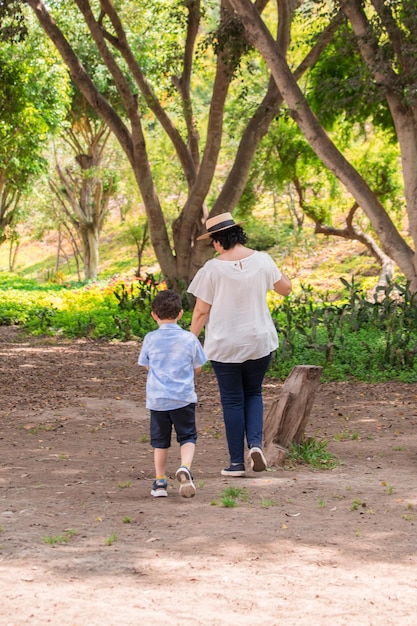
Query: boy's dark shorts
(182, 419)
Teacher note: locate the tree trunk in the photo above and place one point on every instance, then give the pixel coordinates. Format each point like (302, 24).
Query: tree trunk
(287, 416)
(90, 236)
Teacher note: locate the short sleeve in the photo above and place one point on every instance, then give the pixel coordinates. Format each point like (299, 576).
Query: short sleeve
(201, 286)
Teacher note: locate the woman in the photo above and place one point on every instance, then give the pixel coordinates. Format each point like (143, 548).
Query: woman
(240, 335)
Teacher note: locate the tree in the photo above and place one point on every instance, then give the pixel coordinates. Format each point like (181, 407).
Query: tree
(139, 72)
(33, 97)
(84, 187)
(386, 40)
(285, 164)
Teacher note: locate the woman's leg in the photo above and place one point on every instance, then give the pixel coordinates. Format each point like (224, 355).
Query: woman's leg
(229, 378)
(253, 373)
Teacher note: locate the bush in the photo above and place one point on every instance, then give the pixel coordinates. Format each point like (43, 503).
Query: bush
(353, 338)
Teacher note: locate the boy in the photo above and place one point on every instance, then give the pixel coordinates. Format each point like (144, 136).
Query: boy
(172, 356)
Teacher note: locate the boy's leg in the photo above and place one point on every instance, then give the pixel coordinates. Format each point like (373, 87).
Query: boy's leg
(160, 484)
(183, 474)
(160, 456)
(161, 427)
(184, 424)
(187, 454)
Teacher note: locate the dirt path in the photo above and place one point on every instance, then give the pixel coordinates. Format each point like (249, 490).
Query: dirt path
(82, 541)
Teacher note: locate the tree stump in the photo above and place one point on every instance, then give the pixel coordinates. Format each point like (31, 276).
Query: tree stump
(287, 416)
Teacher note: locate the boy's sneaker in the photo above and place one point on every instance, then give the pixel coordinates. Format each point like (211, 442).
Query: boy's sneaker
(235, 469)
(257, 459)
(185, 479)
(159, 488)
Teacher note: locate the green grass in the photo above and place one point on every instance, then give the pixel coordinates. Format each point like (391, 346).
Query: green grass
(62, 538)
(230, 496)
(267, 503)
(312, 452)
(357, 504)
(111, 539)
(125, 485)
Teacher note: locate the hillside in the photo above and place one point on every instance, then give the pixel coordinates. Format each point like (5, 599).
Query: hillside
(308, 259)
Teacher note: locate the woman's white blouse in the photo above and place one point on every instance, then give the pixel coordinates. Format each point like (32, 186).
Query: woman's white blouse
(239, 326)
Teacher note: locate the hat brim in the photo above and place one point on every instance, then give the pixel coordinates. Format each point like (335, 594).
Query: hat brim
(218, 230)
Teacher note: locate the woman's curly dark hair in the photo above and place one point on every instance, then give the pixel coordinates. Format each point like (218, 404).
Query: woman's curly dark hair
(230, 237)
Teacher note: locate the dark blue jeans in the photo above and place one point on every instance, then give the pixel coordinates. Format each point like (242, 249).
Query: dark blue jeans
(240, 386)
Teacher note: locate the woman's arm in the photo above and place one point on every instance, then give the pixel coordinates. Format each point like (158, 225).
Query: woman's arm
(283, 286)
(200, 316)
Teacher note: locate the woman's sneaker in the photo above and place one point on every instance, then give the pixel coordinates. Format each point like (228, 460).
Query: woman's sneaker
(257, 459)
(159, 488)
(235, 469)
(187, 487)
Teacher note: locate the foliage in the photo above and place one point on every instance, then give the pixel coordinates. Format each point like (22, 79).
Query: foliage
(261, 236)
(354, 337)
(112, 310)
(12, 22)
(33, 100)
(312, 452)
(137, 295)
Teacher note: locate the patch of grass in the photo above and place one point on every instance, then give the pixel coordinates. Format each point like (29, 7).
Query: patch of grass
(63, 538)
(34, 430)
(239, 493)
(144, 439)
(322, 504)
(125, 485)
(266, 503)
(110, 540)
(126, 519)
(313, 452)
(228, 502)
(230, 496)
(356, 504)
(346, 435)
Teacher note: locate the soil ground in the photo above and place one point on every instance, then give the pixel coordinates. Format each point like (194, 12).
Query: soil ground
(83, 542)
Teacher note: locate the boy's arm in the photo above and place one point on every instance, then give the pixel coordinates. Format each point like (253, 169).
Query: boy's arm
(197, 370)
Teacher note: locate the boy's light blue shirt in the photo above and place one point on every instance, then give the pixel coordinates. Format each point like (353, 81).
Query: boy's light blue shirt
(172, 354)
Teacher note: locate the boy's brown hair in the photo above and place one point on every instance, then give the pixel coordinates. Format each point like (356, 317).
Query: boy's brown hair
(167, 305)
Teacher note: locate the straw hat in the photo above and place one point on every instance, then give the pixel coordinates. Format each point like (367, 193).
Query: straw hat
(217, 223)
